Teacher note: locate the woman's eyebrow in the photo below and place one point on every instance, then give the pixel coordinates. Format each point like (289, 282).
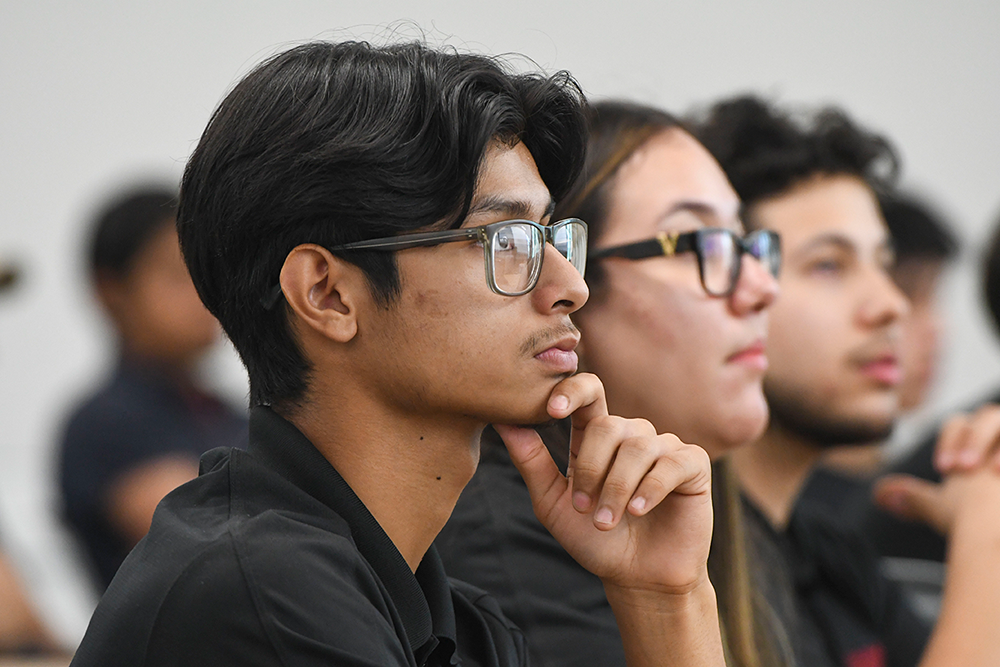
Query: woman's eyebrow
(700, 209)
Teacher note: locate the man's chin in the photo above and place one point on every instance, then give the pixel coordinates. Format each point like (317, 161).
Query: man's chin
(822, 427)
(526, 418)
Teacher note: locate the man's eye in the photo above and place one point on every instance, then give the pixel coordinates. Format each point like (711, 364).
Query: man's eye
(826, 267)
(503, 241)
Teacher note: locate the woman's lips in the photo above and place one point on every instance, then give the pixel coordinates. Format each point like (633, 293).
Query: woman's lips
(753, 356)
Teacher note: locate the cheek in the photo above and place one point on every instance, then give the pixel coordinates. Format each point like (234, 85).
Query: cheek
(173, 307)
(807, 339)
(651, 337)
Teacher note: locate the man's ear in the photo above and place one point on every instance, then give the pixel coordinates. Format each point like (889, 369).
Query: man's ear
(324, 291)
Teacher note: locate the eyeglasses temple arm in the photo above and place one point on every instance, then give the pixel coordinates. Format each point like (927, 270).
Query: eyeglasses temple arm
(665, 244)
(411, 240)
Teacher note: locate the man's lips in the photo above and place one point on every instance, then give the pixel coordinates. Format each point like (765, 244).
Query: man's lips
(884, 369)
(560, 356)
(753, 356)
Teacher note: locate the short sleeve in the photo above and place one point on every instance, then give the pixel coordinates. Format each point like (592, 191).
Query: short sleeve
(283, 593)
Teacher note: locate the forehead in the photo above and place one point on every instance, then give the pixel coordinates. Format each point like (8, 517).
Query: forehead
(822, 207)
(509, 186)
(669, 172)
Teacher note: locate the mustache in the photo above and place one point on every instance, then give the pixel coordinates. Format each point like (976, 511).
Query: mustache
(542, 340)
(883, 344)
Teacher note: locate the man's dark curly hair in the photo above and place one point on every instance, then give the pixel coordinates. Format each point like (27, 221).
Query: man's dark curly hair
(766, 151)
(330, 143)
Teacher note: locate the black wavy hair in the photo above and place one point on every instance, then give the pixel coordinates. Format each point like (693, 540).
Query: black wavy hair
(330, 143)
(766, 151)
(918, 231)
(125, 224)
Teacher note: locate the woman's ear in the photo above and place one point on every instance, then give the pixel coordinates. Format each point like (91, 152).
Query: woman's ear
(324, 291)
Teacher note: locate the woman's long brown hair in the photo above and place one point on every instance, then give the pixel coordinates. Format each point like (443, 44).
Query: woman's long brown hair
(616, 130)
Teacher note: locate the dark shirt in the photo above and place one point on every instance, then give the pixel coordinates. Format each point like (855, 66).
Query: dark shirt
(269, 558)
(141, 415)
(832, 602)
(845, 607)
(902, 538)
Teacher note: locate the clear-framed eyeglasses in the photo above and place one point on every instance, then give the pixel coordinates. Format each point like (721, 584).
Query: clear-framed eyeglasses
(512, 250)
(719, 252)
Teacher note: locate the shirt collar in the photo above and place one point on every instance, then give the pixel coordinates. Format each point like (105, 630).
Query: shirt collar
(422, 601)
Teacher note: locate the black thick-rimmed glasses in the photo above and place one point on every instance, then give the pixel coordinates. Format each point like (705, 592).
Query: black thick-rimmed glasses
(719, 251)
(513, 250)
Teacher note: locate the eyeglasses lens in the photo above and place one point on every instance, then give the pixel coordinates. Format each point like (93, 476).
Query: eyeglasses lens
(719, 260)
(570, 240)
(516, 250)
(763, 246)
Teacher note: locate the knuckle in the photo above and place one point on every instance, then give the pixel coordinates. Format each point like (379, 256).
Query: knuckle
(606, 425)
(588, 382)
(654, 486)
(640, 448)
(615, 487)
(698, 456)
(639, 426)
(586, 471)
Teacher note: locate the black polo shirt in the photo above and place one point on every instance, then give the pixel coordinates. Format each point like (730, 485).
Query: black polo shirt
(269, 558)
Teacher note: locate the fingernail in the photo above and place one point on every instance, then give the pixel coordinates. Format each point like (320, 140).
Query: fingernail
(945, 460)
(581, 501)
(603, 515)
(638, 504)
(559, 403)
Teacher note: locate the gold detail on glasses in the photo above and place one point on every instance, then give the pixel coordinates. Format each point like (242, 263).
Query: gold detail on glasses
(668, 242)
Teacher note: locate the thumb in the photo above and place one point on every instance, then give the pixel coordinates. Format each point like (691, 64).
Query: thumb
(912, 498)
(545, 482)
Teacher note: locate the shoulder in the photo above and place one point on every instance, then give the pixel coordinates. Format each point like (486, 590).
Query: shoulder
(223, 582)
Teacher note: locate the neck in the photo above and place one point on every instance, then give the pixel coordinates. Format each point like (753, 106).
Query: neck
(408, 470)
(773, 469)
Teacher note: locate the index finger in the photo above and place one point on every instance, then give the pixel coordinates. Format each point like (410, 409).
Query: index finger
(582, 398)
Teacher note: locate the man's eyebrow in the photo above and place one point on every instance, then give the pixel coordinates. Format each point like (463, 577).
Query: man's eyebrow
(832, 238)
(513, 208)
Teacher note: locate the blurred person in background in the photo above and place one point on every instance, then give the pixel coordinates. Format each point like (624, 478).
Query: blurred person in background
(833, 380)
(924, 247)
(140, 434)
(21, 631)
(909, 493)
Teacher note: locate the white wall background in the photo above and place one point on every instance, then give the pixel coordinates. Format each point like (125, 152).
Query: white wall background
(94, 93)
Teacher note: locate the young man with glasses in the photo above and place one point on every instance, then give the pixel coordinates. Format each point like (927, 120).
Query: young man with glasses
(371, 185)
